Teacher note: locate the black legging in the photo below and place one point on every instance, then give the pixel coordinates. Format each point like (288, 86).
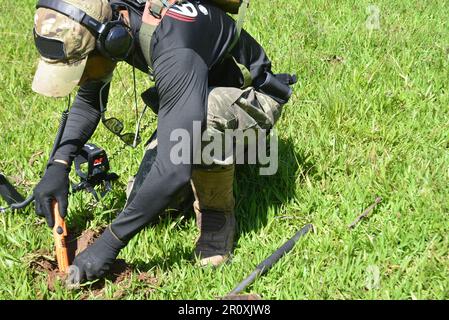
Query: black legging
(182, 85)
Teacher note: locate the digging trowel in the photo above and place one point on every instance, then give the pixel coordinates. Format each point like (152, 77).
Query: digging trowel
(60, 234)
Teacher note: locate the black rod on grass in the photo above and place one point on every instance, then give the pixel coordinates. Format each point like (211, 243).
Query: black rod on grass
(263, 267)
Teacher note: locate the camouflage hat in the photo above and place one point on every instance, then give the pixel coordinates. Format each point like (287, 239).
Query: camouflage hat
(57, 77)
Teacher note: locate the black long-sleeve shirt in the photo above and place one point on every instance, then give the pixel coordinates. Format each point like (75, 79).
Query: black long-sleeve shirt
(187, 53)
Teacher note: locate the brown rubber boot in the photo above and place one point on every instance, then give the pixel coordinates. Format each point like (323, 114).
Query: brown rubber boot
(214, 208)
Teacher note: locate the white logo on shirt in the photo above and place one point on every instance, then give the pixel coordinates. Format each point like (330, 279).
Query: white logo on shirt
(203, 10)
(185, 9)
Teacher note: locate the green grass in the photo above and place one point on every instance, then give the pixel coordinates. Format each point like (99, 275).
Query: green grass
(375, 123)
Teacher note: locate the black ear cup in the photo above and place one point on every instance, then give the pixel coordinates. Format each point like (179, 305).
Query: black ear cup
(116, 41)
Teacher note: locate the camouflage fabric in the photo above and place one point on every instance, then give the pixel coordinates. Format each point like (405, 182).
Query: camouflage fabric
(238, 110)
(56, 78)
(232, 108)
(78, 40)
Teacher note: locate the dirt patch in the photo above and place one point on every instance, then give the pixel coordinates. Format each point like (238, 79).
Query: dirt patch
(43, 262)
(120, 271)
(77, 243)
(120, 274)
(148, 279)
(86, 239)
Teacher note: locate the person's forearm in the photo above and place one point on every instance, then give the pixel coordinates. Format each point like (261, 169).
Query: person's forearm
(83, 119)
(80, 126)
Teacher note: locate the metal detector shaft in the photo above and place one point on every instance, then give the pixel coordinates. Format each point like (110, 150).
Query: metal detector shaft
(271, 260)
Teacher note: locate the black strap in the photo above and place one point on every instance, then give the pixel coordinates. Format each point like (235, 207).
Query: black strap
(74, 13)
(135, 5)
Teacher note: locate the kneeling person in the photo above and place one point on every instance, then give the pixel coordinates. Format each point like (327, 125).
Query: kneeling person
(186, 47)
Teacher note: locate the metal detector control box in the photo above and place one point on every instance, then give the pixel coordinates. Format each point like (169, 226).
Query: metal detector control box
(96, 159)
(97, 172)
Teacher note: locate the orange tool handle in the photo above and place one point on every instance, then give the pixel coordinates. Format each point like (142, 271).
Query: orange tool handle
(59, 234)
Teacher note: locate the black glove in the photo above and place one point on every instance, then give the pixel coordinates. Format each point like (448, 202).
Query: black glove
(96, 260)
(53, 186)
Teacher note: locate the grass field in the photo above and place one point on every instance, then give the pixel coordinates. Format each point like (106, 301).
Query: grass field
(369, 118)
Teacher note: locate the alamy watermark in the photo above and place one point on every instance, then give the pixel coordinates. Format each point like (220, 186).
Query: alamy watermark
(231, 146)
(73, 277)
(372, 280)
(373, 20)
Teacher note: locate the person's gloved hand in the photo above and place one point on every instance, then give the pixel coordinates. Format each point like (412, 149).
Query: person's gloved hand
(96, 260)
(53, 186)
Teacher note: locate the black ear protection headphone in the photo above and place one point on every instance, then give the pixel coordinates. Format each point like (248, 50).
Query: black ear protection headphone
(114, 38)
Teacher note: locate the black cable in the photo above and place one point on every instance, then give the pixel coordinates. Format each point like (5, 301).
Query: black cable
(139, 129)
(135, 106)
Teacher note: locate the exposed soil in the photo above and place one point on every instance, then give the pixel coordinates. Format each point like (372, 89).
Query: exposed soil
(45, 262)
(78, 243)
(120, 273)
(148, 279)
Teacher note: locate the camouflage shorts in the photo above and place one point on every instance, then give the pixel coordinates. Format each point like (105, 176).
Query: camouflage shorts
(228, 108)
(232, 108)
